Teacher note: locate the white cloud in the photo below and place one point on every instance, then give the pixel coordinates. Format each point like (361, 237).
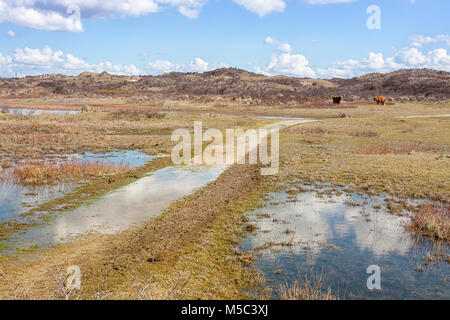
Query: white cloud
(65, 15)
(439, 59)
(163, 66)
(23, 13)
(188, 12)
(262, 71)
(11, 34)
(285, 47)
(262, 7)
(270, 40)
(35, 61)
(444, 38)
(420, 40)
(329, 1)
(4, 60)
(198, 65)
(406, 58)
(29, 61)
(410, 57)
(290, 64)
(116, 69)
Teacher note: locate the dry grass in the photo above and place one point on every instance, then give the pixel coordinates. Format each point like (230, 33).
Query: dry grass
(204, 227)
(42, 173)
(431, 220)
(308, 289)
(137, 114)
(6, 180)
(43, 136)
(113, 92)
(315, 130)
(336, 157)
(323, 105)
(405, 148)
(365, 133)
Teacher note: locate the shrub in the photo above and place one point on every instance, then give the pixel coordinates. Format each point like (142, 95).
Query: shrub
(313, 130)
(113, 92)
(365, 133)
(59, 90)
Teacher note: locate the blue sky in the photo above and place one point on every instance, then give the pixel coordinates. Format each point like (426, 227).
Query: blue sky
(304, 38)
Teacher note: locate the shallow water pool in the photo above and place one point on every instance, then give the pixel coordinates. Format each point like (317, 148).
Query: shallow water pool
(16, 199)
(122, 208)
(31, 112)
(337, 237)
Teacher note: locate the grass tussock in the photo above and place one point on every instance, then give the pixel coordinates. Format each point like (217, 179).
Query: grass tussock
(137, 114)
(42, 173)
(431, 220)
(316, 130)
(405, 148)
(309, 289)
(365, 133)
(113, 92)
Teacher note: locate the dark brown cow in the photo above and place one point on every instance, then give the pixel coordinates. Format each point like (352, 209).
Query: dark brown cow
(337, 99)
(380, 100)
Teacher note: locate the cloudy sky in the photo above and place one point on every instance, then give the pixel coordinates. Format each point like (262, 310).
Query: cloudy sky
(304, 38)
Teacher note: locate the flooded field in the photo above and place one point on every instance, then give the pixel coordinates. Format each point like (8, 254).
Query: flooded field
(122, 208)
(324, 233)
(31, 112)
(16, 199)
(132, 158)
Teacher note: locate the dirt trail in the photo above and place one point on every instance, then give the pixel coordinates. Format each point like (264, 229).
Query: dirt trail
(140, 200)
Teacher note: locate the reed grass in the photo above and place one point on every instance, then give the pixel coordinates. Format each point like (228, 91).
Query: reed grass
(431, 220)
(309, 289)
(42, 173)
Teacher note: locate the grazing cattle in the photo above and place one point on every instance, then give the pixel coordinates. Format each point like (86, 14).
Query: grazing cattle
(337, 99)
(380, 100)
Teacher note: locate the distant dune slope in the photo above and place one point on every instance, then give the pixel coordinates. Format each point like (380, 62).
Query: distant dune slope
(235, 85)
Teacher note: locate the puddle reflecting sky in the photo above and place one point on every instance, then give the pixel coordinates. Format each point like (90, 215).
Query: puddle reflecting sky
(31, 112)
(122, 208)
(132, 158)
(304, 235)
(16, 199)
